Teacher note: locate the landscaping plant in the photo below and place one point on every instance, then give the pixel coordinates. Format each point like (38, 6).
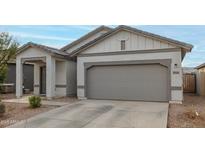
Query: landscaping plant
(8, 48)
(34, 101)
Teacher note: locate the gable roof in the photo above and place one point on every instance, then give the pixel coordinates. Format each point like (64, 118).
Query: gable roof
(95, 31)
(200, 66)
(185, 46)
(47, 49)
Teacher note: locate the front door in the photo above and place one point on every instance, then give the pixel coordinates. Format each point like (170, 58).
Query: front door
(43, 80)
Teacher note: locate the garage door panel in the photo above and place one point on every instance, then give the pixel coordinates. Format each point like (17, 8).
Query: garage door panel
(128, 82)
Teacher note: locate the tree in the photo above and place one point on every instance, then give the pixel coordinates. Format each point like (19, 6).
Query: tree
(3, 74)
(8, 48)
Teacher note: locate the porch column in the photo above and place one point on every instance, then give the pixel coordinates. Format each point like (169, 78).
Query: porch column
(19, 78)
(36, 79)
(50, 77)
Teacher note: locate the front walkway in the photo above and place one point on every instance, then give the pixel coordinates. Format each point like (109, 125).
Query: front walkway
(102, 114)
(58, 101)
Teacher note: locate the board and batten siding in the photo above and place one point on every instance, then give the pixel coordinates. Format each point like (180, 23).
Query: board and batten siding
(133, 42)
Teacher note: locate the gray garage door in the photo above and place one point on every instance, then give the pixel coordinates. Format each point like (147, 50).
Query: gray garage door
(128, 82)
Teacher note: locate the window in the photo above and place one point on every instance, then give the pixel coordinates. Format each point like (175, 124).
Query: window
(122, 44)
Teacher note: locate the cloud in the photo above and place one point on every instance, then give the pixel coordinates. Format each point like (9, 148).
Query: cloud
(187, 63)
(86, 27)
(37, 36)
(51, 28)
(56, 36)
(57, 46)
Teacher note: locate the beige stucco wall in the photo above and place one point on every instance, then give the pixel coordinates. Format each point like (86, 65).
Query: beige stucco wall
(175, 56)
(61, 78)
(202, 69)
(59, 72)
(32, 52)
(29, 54)
(36, 78)
(72, 78)
(201, 81)
(134, 42)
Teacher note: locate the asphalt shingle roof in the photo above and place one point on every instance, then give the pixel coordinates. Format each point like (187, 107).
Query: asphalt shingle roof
(187, 46)
(43, 47)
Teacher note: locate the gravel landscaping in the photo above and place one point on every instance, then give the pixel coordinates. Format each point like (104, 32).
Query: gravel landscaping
(16, 112)
(7, 96)
(190, 114)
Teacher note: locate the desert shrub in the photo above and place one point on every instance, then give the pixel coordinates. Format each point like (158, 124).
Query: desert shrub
(35, 101)
(2, 109)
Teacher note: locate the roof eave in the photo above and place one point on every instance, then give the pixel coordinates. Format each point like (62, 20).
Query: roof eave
(200, 66)
(32, 45)
(187, 47)
(84, 37)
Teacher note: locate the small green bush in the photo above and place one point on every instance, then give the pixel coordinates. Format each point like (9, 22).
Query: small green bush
(35, 101)
(2, 109)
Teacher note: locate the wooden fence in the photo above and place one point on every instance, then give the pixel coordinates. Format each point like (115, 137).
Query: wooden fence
(189, 83)
(201, 83)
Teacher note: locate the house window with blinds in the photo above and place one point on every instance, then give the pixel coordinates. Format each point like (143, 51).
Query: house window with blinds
(122, 44)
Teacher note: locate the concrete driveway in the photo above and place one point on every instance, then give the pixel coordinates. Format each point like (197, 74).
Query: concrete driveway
(102, 114)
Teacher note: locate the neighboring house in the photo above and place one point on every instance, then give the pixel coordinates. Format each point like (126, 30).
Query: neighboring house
(123, 63)
(27, 75)
(201, 79)
(189, 70)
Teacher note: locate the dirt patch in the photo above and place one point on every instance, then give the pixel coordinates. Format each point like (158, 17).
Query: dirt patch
(16, 112)
(190, 114)
(7, 96)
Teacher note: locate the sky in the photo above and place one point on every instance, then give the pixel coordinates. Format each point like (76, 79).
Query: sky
(59, 36)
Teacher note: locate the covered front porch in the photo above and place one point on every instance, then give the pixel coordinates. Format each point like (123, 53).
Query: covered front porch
(50, 72)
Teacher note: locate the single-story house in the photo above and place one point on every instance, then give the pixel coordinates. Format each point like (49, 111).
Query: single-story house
(201, 79)
(122, 63)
